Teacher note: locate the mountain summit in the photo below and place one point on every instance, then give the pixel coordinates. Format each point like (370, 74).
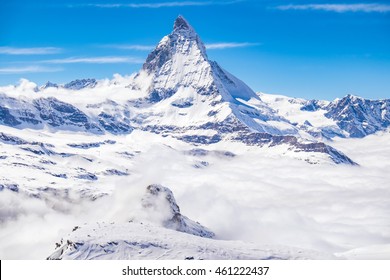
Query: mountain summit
(179, 74)
(180, 61)
(182, 24)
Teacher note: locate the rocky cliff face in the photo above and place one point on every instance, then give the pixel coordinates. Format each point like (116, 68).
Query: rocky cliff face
(158, 197)
(358, 116)
(350, 116)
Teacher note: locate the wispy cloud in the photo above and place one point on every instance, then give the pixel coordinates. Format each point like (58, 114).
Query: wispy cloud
(28, 69)
(158, 4)
(96, 60)
(211, 46)
(229, 45)
(29, 51)
(340, 8)
(132, 47)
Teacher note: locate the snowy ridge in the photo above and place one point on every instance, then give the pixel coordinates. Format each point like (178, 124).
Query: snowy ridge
(179, 238)
(350, 116)
(73, 85)
(41, 112)
(143, 241)
(360, 117)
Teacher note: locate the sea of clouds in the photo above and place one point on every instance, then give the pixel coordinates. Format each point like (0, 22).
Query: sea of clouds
(252, 197)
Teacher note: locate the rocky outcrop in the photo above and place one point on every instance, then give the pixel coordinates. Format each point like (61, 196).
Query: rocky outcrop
(157, 194)
(358, 116)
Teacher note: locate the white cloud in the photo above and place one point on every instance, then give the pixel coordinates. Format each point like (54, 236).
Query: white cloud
(339, 8)
(229, 45)
(278, 200)
(160, 4)
(96, 60)
(29, 51)
(153, 5)
(133, 47)
(211, 46)
(28, 69)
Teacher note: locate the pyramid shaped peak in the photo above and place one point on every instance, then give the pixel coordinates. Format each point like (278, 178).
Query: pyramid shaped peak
(183, 42)
(182, 28)
(181, 23)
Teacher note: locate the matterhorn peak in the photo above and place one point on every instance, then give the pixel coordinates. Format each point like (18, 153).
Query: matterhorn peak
(179, 63)
(184, 30)
(181, 23)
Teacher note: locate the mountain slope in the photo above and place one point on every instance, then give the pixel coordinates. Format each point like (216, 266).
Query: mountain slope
(358, 116)
(41, 112)
(143, 241)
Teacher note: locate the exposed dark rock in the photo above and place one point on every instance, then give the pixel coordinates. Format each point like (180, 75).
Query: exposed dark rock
(176, 220)
(113, 125)
(311, 106)
(11, 187)
(80, 84)
(87, 176)
(358, 116)
(7, 118)
(115, 172)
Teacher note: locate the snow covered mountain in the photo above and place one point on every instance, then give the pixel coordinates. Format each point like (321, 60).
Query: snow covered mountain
(350, 116)
(80, 84)
(73, 85)
(50, 112)
(198, 102)
(178, 93)
(359, 117)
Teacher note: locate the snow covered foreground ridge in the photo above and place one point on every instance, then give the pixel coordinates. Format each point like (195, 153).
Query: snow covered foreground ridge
(178, 238)
(144, 241)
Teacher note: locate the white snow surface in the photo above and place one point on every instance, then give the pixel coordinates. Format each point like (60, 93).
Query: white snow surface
(289, 108)
(139, 241)
(310, 121)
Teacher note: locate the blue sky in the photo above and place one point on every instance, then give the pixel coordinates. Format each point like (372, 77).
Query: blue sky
(310, 49)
